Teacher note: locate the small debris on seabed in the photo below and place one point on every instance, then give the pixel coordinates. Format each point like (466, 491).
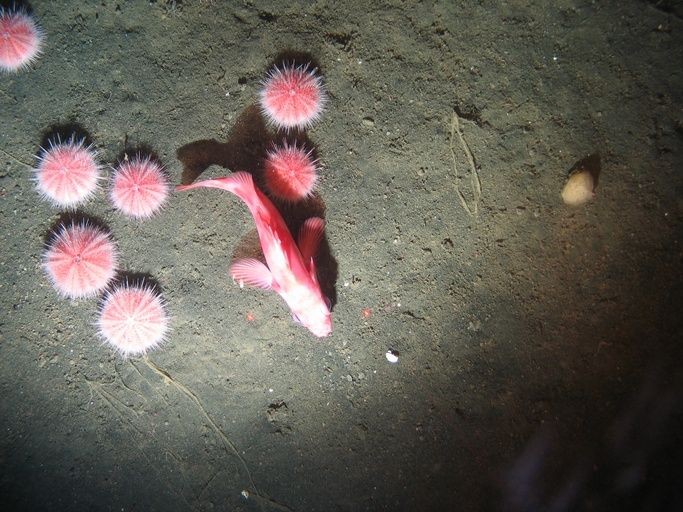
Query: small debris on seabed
(392, 356)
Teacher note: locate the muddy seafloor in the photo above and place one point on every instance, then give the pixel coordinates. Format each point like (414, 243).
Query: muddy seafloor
(539, 344)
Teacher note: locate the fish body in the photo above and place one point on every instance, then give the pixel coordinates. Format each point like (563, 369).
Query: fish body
(290, 270)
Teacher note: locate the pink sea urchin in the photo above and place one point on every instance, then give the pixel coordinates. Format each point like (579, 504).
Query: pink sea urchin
(67, 173)
(139, 187)
(292, 96)
(21, 39)
(290, 172)
(133, 319)
(80, 260)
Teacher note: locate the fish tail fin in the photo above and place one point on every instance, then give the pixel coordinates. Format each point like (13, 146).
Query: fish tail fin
(239, 183)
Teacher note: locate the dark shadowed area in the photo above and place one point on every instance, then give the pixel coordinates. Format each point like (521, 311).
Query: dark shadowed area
(539, 345)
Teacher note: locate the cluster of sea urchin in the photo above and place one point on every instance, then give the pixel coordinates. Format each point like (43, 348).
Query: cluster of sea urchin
(81, 258)
(292, 98)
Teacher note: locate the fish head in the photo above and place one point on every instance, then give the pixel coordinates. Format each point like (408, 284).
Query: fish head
(317, 319)
(323, 326)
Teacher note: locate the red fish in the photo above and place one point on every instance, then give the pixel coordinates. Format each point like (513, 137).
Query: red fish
(291, 270)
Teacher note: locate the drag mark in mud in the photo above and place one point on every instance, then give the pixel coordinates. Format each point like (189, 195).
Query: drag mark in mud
(475, 181)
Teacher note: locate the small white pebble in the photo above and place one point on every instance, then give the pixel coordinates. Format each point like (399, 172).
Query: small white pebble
(392, 356)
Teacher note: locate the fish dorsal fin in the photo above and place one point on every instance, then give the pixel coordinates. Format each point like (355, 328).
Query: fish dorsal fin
(251, 272)
(310, 235)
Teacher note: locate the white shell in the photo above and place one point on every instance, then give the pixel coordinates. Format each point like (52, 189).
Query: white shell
(392, 356)
(579, 188)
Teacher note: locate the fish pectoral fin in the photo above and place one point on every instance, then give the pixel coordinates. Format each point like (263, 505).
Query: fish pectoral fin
(310, 235)
(251, 272)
